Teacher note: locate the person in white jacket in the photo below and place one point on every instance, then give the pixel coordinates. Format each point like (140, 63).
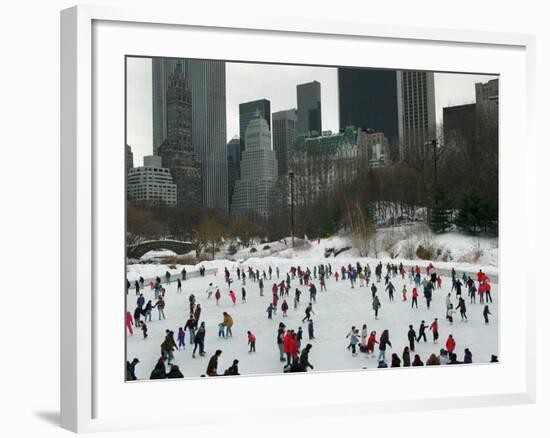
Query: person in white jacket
(210, 290)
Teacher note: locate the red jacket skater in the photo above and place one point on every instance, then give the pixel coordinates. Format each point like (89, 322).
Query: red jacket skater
(451, 344)
(251, 338)
(415, 293)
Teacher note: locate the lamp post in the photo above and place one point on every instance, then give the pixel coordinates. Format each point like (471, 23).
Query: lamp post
(291, 177)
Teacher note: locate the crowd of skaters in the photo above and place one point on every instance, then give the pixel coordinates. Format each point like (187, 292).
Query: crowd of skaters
(289, 340)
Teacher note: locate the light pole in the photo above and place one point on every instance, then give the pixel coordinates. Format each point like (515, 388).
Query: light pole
(291, 177)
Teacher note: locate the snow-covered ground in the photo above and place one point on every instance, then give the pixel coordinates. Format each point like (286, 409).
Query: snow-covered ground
(335, 312)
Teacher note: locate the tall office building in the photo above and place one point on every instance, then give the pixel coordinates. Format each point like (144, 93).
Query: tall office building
(309, 108)
(233, 165)
(206, 81)
(416, 107)
(249, 111)
(177, 150)
(284, 135)
(129, 159)
(367, 99)
(151, 184)
(458, 121)
(487, 93)
(253, 193)
(161, 68)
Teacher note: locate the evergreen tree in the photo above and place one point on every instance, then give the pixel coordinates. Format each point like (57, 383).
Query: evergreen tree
(477, 212)
(441, 213)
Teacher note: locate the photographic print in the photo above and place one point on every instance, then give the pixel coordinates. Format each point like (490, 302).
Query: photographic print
(297, 218)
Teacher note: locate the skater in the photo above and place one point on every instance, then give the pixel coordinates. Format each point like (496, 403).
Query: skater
(376, 306)
(168, 346)
(160, 307)
(199, 340)
(233, 297)
(129, 323)
(462, 308)
(364, 334)
(371, 342)
(252, 340)
(310, 329)
(488, 292)
(414, 298)
(404, 293)
(261, 286)
(280, 341)
(434, 327)
(179, 286)
(374, 290)
(299, 337)
(406, 357)
(210, 290)
(159, 372)
(312, 293)
(450, 313)
(411, 335)
(270, 311)
(395, 361)
(417, 362)
(143, 329)
(212, 368)
(221, 330)
(181, 337)
(284, 308)
(450, 345)
(308, 311)
(390, 288)
(191, 325)
(197, 313)
(384, 342)
(354, 341)
(304, 358)
(131, 369)
(233, 370)
(175, 372)
(486, 313)
(422, 332)
(228, 322)
(243, 295)
(467, 355)
(217, 295)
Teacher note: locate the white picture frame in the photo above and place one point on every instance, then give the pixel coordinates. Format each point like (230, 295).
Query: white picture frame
(91, 396)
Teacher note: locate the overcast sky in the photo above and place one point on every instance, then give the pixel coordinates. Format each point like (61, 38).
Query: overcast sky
(277, 83)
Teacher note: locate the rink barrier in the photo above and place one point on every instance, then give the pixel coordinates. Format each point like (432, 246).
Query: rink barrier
(493, 278)
(174, 277)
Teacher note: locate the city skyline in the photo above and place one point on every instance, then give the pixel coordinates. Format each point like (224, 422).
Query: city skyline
(278, 85)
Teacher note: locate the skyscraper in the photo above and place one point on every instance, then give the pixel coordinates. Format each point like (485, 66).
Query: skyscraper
(368, 100)
(284, 134)
(129, 159)
(249, 111)
(151, 184)
(309, 108)
(177, 150)
(206, 81)
(233, 165)
(254, 190)
(416, 104)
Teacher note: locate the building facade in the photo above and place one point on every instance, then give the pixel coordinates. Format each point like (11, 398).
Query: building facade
(487, 93)
(416, 108)
(233, 165)
(254, 189)
(321, 163)
(151, 184)
(177, 150)
(284, 135)
(308, 97)
(249, 111)
(206, 81)
(129, 159)
(367, 99)
(373, 148)
(458, 122)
